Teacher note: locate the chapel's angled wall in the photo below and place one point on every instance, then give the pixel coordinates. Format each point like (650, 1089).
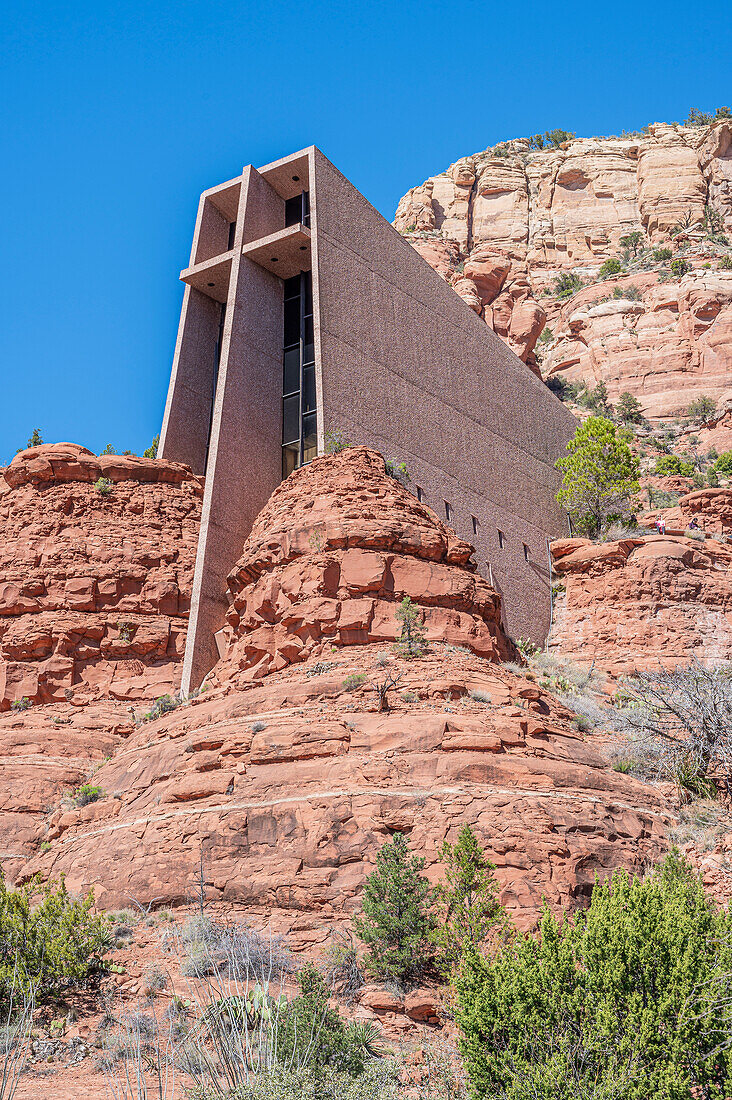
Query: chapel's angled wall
(408, 368)
(245, 454)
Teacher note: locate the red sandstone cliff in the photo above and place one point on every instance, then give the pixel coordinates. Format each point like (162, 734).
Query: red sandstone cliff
(94, 594)
(94, 585)
(503, 224)
(287, 776)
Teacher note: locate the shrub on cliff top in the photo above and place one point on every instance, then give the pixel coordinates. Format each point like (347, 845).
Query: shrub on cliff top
(600, 476)
(152, 450)
(622, 1000)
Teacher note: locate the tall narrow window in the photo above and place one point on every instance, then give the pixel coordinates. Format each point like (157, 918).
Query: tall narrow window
(299, 407)
(232, 234)
(475, 525)
(448, 512)
(217, 363)
(526, 552)
(500, 539)
(420, 493)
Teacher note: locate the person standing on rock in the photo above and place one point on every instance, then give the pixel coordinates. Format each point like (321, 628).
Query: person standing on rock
(660, 524)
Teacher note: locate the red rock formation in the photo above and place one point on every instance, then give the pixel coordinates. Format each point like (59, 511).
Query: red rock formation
(641, 601)
(339, 544)
(668, 347)
(711, 508)
(288, 777)
(94, 586)
(503, 224)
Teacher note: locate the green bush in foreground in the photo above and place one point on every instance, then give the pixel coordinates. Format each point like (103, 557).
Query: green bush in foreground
(467, 899)
(621, 1000)
(47, 938)
(311, 1034)
(379, 1081)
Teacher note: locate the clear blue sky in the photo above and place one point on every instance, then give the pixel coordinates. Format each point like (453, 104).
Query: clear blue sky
(117, 115)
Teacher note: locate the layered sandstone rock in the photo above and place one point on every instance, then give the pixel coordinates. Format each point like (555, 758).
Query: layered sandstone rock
(94, 585)
(501, 225)
(668, 346)
(643, 601)
(286, 775)
(330, 557)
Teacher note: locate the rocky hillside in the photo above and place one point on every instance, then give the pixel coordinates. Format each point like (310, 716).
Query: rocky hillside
(96, 566)
(523, 233)
(287, 773)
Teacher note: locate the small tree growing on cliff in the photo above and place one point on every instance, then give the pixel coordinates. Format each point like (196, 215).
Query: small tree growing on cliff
(629, 409)
(600, 476)
(467, 899)
(396, 924)
(152, 450)
(412, 640)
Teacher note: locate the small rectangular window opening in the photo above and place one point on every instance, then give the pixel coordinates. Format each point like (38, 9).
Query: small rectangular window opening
(475, 525)
(232, 234)
(500, 538)
(420, 493)
(448, 512)
(526, 552)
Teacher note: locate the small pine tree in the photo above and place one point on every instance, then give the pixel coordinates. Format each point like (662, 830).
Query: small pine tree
(713, 479)
(468, 903)
(600, 475)
(152, 450)
(108, 450)
(632, 241)
(412, 640)
(36, 438)
(629, 409)
(598, 400)
(396, 924)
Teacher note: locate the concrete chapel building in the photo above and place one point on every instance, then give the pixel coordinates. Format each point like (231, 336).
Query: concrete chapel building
(304, 312)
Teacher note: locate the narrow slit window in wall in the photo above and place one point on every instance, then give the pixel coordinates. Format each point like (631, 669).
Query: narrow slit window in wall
(420, 493)
(299, 419)
(475, 525)
(500, 538)
(526, 552)
(448, 512)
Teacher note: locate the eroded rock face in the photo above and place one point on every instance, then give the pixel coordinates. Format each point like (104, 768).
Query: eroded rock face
(330, 557)
(290, 785)
(287, 775)
(669, 346)
(500, 228)
(643, 601)
(94, 586)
